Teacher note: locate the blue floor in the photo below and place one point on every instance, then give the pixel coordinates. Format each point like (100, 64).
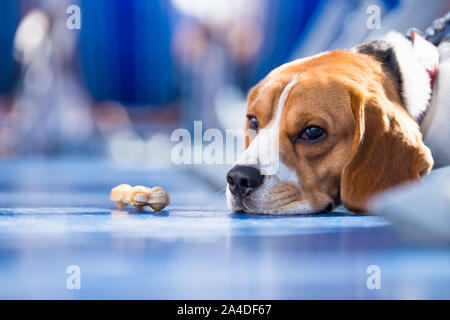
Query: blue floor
(57, 213)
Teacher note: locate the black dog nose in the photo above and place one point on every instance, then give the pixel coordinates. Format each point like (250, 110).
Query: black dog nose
(242, 180)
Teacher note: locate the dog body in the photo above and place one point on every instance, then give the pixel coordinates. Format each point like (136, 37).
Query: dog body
(347, 124)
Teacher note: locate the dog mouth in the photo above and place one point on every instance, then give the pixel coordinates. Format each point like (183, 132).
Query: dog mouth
(237, 203)
(252, 205)
(249, 207)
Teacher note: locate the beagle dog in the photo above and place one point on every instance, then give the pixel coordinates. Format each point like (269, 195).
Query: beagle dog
(344, 125)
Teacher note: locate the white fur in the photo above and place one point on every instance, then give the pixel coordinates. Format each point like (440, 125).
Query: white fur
(259, 199)
(417, 94)
(416, 81)
(263, 153)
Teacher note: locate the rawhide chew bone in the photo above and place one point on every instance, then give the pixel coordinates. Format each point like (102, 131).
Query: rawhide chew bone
(140, 196)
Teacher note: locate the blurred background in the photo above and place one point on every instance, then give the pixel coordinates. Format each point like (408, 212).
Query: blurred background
(116, 82)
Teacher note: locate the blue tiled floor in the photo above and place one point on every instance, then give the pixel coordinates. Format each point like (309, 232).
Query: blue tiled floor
(57, 213)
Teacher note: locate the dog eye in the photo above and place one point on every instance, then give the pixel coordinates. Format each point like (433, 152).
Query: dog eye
(311, 134)
(253, 123)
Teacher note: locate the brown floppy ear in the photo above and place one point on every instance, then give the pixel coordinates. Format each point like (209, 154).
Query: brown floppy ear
(387, 150)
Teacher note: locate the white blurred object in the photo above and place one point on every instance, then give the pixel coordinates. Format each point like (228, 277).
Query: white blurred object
(230, 105)
(30, 35)
(127, 148)
(420, 210)
(209, 11)
(158, 151)
(52, 112)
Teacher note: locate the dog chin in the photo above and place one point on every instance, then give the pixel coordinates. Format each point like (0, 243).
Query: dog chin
(260, 203)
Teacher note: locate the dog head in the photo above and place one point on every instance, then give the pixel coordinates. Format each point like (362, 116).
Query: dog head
(325, 129)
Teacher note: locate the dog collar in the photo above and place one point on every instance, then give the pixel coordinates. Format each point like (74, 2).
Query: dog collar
(428, 55)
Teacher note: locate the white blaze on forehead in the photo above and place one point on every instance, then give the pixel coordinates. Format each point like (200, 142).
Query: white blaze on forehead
(275, 123)
(263, 152)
